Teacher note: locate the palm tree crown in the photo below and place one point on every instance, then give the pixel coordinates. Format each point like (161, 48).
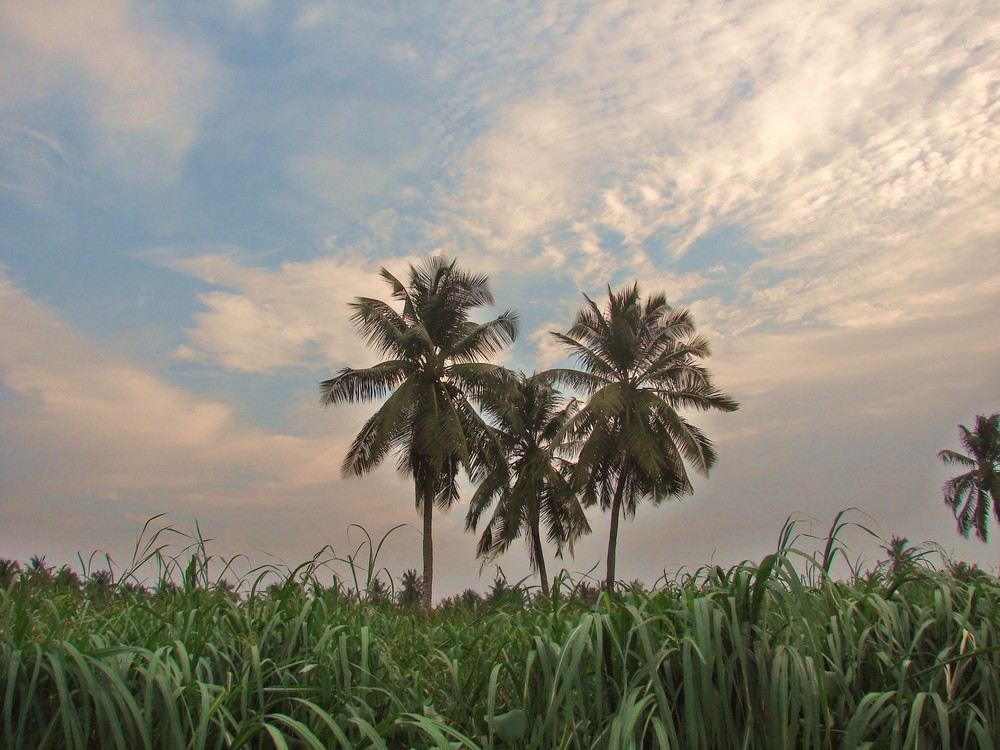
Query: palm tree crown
(639, 364)
(434, 364)
(969, 495)
(530, 485)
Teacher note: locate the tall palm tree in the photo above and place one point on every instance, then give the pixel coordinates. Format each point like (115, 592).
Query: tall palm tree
(434, 365)
(969, 494)
(531, 484)
(639, 364)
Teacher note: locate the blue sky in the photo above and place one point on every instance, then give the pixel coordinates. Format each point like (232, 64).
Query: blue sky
(190, 195)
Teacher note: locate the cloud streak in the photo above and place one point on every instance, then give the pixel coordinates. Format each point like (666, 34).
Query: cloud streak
(143, 86)
(99, 437)
(117, 429)
(838, 151)
(291, 317)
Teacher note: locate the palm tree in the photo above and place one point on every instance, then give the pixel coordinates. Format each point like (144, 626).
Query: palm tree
(639, 364)
(9, 572)
(409, 589)
(531, 484)
(969, 494)
(434, 367)
(37, 572)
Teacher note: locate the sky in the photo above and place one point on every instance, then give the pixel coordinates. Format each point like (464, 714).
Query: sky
(191, 195)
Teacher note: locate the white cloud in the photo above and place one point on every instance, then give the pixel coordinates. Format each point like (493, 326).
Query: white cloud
(121, 429)
(144, 87)
(94, 444)
(853, 146)
(523, 174)
(294, 316)
(841, 138)
(548, 350)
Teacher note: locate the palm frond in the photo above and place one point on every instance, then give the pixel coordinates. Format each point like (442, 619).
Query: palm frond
(399, 290)
(381, 327)
(486, 339)
(952, 457)
(382, 433)
(368, 384)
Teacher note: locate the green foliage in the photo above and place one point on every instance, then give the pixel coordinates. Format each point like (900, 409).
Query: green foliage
(640, 366)
(530, 485)
(971, 495)
(437, 359)
(503, 592)
(410, 588)
(10, 570)
(762, 655)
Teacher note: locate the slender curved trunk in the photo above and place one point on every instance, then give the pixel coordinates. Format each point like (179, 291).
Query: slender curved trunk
(428, 513)
(616, 511)
(536, 542)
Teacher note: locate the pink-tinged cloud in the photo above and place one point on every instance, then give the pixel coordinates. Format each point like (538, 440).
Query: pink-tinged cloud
(93, 444)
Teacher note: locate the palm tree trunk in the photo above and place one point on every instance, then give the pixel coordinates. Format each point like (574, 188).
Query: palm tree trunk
(616, 511)
(428, 513)
(536, 542)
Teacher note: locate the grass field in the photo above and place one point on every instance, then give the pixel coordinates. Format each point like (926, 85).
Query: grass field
(768, 655)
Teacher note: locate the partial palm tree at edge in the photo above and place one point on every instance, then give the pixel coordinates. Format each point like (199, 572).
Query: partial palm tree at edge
(969, 495)
(434, 367)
